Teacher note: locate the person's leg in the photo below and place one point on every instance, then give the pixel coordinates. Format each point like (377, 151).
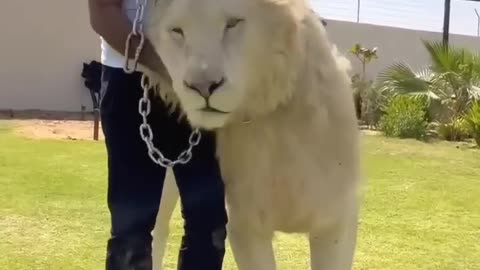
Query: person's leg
(203, 207)
(134, 181)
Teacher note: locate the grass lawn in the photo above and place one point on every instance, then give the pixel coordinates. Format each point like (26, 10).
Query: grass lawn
(421, 208)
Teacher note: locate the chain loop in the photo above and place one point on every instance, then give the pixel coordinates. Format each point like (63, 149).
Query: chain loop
(147, 135)
(195, 138)
(144, 104)
(139, 14)
(137, 31)
(146, 132)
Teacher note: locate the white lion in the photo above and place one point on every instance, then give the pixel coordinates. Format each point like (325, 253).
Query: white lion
(265, 76)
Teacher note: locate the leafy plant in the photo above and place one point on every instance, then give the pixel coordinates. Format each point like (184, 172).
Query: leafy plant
(362, 86)
(452, 79)
(455, 130)
(472, 119)
(373, 106)
(404, 118)
(364, 55)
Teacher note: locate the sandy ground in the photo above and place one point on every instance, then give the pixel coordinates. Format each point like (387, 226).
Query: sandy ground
(56, 129)
(70, 129)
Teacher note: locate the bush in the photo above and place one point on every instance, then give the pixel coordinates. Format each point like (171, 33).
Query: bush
(373, 106)
(369, 101)
(404, 117)
(455, 130)
(358, 87)
(472, 120)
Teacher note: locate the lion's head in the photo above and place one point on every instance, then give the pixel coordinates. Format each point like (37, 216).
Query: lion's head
(229, 60)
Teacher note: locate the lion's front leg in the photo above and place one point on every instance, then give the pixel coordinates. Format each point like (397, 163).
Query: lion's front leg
(252, 251)
(334, 249)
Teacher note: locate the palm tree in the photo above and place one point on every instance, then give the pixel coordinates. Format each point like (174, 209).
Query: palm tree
(360, 83)
(451, 80)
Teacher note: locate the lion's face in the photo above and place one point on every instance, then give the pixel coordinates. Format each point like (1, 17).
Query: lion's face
(224, 56)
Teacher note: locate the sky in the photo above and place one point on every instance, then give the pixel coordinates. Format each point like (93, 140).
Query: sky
(412, 14)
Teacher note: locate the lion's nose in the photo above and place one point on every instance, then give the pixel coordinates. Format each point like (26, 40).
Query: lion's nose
(205, 87)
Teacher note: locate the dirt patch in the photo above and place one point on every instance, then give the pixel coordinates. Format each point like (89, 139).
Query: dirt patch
(56, 129)
(370, 132)
(70, 129)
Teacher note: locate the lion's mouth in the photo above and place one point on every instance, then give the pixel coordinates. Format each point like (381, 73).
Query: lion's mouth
(210, 109)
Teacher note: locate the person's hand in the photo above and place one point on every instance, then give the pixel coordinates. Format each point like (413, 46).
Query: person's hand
(108, 20)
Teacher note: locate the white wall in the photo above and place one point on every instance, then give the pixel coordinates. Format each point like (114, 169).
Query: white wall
(44, 43)
(394, 44)
(42, 48)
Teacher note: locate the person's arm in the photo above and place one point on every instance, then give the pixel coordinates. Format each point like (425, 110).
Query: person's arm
(108, 20)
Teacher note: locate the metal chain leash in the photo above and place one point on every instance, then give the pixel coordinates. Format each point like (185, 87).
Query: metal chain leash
(144, 104)
(137, 30)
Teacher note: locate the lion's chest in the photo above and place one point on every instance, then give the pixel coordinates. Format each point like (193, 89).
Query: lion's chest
(278, 179)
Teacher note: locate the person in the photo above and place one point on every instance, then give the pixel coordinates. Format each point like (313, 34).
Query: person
(135, 182)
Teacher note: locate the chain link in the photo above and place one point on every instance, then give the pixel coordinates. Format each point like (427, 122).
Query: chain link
(144, 104)
(137, 30)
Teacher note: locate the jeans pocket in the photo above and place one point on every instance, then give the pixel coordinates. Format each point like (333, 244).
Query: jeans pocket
(105, 89)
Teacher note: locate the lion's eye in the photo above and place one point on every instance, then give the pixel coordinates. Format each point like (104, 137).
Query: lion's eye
(231, 23)
(177, 31)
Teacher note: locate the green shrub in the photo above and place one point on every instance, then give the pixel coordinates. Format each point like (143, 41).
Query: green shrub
(472, 120)
(455, 130)
(405, 117)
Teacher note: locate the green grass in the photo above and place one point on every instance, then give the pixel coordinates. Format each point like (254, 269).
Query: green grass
(421, 207)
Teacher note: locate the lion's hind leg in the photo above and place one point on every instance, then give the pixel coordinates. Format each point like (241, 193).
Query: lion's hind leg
(169, 200)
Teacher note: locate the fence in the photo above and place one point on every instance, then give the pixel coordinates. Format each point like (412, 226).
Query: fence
(426, 15)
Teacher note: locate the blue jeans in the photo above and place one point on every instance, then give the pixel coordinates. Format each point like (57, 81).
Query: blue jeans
(135, 182)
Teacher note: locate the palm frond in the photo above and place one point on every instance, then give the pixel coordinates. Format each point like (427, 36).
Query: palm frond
(474, 93)
(429, 95)
(476, 67)
(446, 58)
(401, 79)
(439, 56)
